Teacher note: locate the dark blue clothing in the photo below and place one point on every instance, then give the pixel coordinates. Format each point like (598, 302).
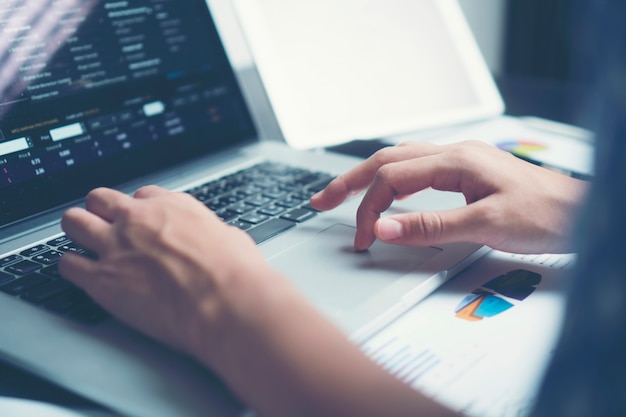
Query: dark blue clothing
(587, 376)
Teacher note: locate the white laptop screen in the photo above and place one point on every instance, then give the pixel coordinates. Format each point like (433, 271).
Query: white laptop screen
(338, 70)
(96, 92)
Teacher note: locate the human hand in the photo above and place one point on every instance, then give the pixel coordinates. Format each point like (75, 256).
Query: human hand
(512, 205)
(165, 263)
(169, 267)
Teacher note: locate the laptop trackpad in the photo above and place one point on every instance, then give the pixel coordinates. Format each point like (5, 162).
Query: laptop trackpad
(328, 270)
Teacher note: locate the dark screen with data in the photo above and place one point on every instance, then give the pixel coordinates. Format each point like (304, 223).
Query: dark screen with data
(96, 92)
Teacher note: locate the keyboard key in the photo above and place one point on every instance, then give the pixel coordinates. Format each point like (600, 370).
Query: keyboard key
(70, 247)
(270, 229)
(48, 258)
(303, 195)
(298, 215)
(248, 191)
(34, 250)
(272, 210)
(44, 292)
(227, 215)
(23, 267)
(61, 240)
(310, 208)
(265, 182)
(274, 193)
(215, 204)
(9, 260)
(311, 178)
(319, 185)
(289, 202)
(241, 225)
(20, 285)
(228, 200)
(254, 218)
(52, 271)
(241, 208)
(258, 200)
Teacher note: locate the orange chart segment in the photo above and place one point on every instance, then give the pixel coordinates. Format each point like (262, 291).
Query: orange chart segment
(481, 305)
(467, 312)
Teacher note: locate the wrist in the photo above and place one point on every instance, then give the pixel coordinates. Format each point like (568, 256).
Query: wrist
(570, 202)
(241, 303)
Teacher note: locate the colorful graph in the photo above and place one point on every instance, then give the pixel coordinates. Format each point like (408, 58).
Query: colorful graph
(488, 300)
(521, 147)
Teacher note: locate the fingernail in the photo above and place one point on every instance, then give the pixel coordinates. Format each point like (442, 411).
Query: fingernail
(316, 195)
(389, 229)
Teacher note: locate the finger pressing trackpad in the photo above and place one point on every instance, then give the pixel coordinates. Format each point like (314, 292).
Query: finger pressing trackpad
(332, 274)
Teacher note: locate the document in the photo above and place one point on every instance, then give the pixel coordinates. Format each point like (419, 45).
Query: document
(565, 148)
(481, 343)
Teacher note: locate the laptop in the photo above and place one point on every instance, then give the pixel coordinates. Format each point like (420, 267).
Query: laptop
(124, 94)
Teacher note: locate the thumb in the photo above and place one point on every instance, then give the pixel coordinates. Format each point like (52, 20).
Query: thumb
(430, 228)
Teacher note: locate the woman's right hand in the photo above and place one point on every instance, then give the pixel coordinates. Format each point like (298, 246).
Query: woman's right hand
(512, 205)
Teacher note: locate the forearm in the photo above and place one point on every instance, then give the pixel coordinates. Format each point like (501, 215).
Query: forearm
(283, 359)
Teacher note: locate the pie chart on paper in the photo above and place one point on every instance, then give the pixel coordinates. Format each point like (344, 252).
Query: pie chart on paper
(521, 147)
(498, 295)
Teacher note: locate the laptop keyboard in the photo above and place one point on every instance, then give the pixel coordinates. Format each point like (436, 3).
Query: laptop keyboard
(264, 200)
(32, 276)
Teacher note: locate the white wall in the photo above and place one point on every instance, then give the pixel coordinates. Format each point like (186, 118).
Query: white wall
(486, 18)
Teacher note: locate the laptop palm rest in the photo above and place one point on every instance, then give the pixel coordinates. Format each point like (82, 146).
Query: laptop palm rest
(348, 285)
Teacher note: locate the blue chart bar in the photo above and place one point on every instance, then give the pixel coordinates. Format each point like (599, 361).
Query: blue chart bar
(403, 360)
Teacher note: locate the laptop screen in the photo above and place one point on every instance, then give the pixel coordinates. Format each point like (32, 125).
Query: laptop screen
(96, 92)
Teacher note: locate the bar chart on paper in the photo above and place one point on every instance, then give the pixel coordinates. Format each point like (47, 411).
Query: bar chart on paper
(405, 361)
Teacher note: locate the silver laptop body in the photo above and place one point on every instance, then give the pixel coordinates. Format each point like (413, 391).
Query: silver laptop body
(120, 94)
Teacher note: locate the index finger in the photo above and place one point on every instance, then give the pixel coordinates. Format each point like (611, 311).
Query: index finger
(360, 177)
(86, 229)
(150, 191)
(401, 179)
(106, 203)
